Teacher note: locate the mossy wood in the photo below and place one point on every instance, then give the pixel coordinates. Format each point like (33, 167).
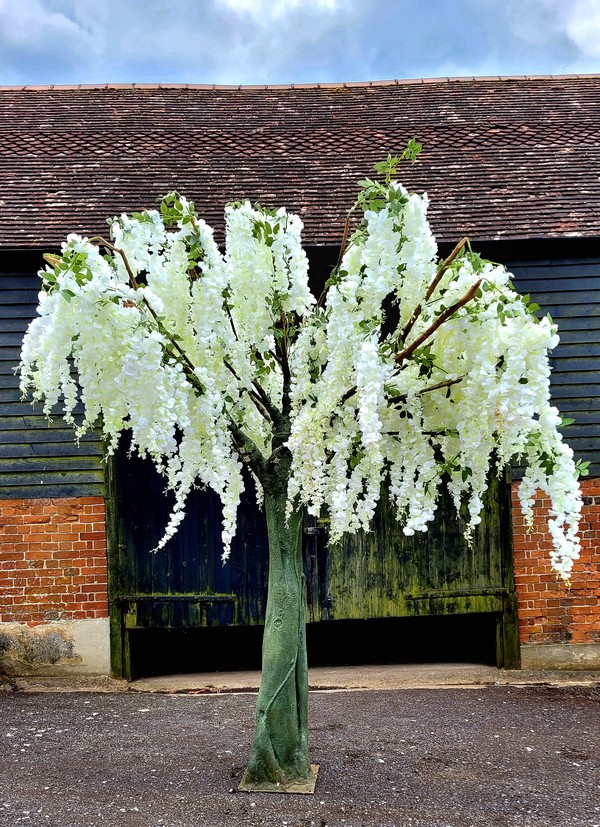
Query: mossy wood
(378, 575)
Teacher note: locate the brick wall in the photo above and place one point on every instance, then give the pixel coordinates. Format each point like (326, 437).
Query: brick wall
(52, 560)
(548, 611)
(53, 567)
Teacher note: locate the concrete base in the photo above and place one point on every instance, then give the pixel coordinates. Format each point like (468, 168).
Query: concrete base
(571, 656)
(76, 647)
(306, 788)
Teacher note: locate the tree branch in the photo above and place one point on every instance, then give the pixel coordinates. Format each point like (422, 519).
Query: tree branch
(446, 384)
(283, 356)
(323, 296)
(248, 450)
(431, 289)
(444, 266)
(231, 322)
(259, 405)
(99, 240)
(443, 317)
(182, 358)
(255, 396)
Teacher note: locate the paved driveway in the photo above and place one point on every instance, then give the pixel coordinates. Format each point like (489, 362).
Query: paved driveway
(486, 756)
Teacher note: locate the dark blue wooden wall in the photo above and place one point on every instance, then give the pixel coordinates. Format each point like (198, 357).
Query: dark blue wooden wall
(569, 289)
(37, 458)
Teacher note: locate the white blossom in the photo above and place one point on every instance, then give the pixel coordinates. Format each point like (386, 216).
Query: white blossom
(193, 350)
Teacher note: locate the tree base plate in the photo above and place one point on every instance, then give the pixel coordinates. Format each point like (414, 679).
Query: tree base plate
(302, 788)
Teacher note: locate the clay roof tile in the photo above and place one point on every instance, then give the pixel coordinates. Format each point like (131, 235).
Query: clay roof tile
(514, 157)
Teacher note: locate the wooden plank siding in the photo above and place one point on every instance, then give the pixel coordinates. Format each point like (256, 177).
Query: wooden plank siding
(569, 289)
(38, 458)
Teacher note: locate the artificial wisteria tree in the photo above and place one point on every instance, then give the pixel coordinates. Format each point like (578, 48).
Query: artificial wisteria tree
(406, 371)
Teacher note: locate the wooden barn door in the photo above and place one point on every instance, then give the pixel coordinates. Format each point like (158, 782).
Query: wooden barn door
(382, 574)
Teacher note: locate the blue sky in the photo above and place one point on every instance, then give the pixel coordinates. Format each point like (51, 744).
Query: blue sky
(284, 41)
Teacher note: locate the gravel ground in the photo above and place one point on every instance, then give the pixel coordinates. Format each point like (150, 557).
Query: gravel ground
(483, 757)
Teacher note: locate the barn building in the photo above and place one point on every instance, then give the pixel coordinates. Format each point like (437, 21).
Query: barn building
(511, 162)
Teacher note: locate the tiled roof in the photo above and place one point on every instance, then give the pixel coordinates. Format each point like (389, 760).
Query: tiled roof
(502, 157)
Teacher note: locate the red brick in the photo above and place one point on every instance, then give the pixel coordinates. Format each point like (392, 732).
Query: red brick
(39, 566)
(575, 613)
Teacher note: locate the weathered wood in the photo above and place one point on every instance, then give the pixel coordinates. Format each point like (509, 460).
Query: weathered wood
(569, 291)
(383, 574)
(553, 283)
(45, 489)
(38, 458)
(18, 311)
(12, 338)
(53, 435)
(18, 281)
(9, 324)
(560, 269)
(25, 408)
(49, 450)
(32, 421)
(28, 297)
(46, 478)
(53, 464)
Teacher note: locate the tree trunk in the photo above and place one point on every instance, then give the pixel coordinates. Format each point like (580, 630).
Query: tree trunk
(279, 754)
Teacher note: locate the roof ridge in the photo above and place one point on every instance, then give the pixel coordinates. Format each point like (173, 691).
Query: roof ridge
(291, 86)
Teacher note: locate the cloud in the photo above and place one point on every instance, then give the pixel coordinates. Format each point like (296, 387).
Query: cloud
(284, 41)
(570, 28)
(223, 41)
(582, 25)
(262, 10)
(29, 22)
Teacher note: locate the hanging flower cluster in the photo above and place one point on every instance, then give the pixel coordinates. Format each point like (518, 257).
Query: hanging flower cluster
(407, 370)
(450, 381)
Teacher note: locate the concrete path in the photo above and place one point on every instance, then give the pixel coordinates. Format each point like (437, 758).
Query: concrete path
(388, 676)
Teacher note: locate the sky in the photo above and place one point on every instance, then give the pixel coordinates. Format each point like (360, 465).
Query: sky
(292, 41)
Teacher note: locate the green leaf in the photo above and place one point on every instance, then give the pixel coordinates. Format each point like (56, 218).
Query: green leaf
(413, 150)
(582, 468)
(392, 392)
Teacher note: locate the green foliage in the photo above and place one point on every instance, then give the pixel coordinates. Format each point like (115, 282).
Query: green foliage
(70, 261)
(532, 307)
(426, 359)
(172, 210)
(143, 217)
(264, 231)
(388, 168)
(376, 195)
